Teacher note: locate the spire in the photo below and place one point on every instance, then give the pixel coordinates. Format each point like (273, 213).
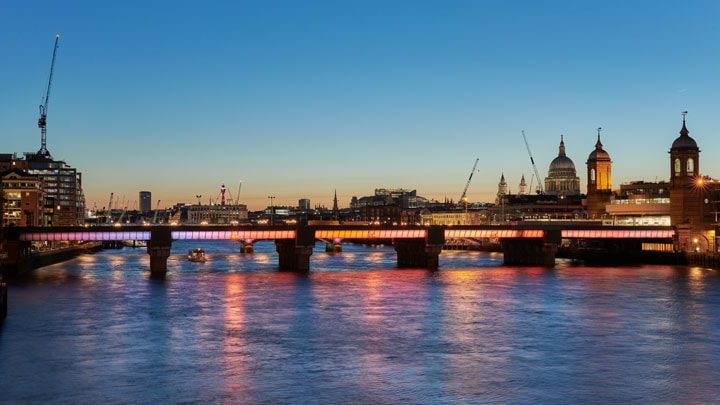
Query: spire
(598, 144)
(562, 147)
(336, 210)
(684, 131)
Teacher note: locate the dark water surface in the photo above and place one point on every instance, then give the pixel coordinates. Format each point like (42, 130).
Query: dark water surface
(358, 330)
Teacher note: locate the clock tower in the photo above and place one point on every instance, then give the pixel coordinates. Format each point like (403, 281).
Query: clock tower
(686, 198)
(599, 180)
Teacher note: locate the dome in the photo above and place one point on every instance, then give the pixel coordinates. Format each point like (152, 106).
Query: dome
(561, 166)
(599, 153)
(684, 141)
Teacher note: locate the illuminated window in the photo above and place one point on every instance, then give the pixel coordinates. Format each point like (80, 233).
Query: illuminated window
(677, 166)
(690, 166)
(592, 175)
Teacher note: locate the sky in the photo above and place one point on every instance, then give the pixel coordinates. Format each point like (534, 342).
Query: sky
(302, 99)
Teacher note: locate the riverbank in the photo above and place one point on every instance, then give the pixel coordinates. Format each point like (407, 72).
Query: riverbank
(47, 257)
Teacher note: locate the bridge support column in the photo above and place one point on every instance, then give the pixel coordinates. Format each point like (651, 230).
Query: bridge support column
(158, 260)
(423, 253)
(417, 253)
(158, 248)
(293, 256)
(247, 246)
(334, 247)
(528, 252)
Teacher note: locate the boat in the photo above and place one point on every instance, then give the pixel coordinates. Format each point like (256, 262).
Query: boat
(196, 255)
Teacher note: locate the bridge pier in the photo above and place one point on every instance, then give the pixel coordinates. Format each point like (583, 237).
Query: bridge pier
(334, 247)
(247, 246)
(293, 256)
(421, 253)
(158, 248)
(528, 252)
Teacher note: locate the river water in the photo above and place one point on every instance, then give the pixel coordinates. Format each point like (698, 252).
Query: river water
(357, 330)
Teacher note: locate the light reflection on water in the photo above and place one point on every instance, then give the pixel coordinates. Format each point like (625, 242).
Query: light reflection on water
(358, 330)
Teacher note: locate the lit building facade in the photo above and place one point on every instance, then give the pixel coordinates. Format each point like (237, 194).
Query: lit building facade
(22, 199)
(62, 188)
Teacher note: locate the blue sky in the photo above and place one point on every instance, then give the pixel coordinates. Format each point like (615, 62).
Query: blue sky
(298, 99)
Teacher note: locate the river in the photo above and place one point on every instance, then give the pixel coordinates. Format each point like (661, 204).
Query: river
(357, 330)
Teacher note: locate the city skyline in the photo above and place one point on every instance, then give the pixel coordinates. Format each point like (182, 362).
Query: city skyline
(298, 100)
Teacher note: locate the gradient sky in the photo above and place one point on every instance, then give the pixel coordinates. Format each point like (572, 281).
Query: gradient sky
(301, 98)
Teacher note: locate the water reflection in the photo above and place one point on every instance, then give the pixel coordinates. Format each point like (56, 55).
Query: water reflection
(358, 330)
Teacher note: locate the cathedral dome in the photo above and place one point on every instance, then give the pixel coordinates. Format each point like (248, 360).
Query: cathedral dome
(562, 179)
(562, 165)
(684, 141)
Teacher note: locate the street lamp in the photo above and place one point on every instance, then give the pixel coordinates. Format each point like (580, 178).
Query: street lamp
(272, 208)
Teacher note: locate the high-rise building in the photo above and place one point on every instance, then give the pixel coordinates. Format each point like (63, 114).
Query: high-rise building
(145, 202)
(62, 188)
(304, 204)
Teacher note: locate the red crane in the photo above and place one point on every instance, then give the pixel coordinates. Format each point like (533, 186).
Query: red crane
(42, 121)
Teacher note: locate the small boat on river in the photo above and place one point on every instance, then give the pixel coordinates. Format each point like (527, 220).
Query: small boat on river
(197, 255)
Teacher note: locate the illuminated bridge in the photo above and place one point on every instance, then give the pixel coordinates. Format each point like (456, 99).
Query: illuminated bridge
(522, 244)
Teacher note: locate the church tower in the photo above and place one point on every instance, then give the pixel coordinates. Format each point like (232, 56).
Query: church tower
(523, 188)
(502, 189)
(686, 200)
(599, 183)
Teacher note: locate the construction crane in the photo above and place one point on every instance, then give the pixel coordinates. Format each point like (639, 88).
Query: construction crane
(157, 208)
(537, 176)
(463, 197)
(42, 121)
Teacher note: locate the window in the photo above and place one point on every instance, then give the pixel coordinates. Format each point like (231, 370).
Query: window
(690, 166)
(677, 166)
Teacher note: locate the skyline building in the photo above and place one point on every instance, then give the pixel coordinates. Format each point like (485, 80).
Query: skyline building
(145, 199)
(562, 178)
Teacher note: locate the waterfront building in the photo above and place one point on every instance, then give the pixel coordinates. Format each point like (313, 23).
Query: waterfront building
(406, 199)
(454, 217)
(62, 188)
(304, 204)
(22, 199)
(599, 181)
(217, 214)
(638, 203)
(562, 178)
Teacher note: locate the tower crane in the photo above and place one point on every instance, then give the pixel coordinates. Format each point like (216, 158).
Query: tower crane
(537, 176)
(42, 121)
(464, 193)
(157, 208)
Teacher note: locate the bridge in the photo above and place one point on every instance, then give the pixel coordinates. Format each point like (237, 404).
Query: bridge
(532, 243)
